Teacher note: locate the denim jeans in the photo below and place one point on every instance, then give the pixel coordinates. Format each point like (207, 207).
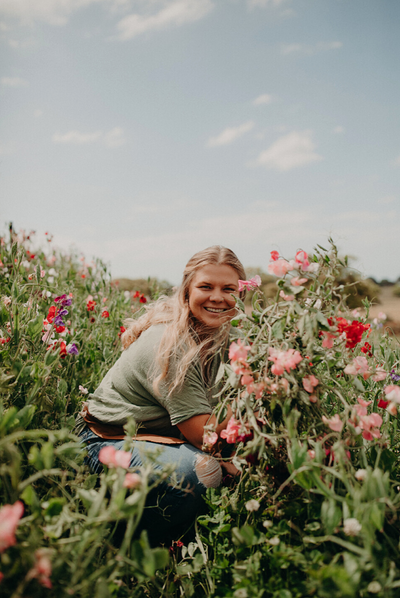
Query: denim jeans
(170, 508)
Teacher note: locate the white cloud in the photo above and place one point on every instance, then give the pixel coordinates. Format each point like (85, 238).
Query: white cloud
(230, 134)
(265, 98)
(112, 139)
(13, 82)
(308, 50)
(263, 3)
(290, 151)
(339, 129)
(174, 14)
(53, 12)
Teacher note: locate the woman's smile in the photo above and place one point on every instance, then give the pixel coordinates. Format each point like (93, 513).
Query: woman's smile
(210, 294)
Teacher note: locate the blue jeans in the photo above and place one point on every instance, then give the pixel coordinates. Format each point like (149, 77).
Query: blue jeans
(170, 508)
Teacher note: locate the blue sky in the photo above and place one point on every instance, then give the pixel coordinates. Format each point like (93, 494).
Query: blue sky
(141, 131)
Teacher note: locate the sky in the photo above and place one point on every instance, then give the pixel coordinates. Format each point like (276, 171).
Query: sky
(142, 131)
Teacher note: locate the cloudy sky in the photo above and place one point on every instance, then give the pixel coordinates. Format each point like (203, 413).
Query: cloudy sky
(141, 131)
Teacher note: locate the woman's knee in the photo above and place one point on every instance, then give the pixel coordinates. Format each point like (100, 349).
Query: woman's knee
(208, 471)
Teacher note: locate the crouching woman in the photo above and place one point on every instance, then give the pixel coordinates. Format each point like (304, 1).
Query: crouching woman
(165, 380)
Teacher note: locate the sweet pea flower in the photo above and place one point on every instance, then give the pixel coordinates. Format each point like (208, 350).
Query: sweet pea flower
(286, 297)
(359, 366)
(335, 423)
(379, 375)
(251, 284)
(274, 256)
(113, 458)
(63, 300)
(9, 520)
(72, 349)
(252, 505)
(309, 383)
(370, 425)
(329, 337)
(238, 351)
(210, 438)
(351, 526)
(232, 431)
(297, 282)
(105, 314)
(301, 258)
(392, 393)
(83, 390)
(283, 360)
(361, 474)
(42, 568)
(132, 480)
(279, 267)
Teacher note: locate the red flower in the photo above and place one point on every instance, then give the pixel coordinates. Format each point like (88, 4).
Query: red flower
(63, 349)
(90, 305)
(142, 299)
(60, 329)
(92, 320)
(121, 331)
(52, 314)
(383, 404)
(366, 349)
(105, 314)
(353, 331)
(136, 295)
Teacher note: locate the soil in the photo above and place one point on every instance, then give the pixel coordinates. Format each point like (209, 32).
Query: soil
(389, 305)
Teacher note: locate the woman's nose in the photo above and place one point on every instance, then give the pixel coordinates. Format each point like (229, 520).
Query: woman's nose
(216, 296)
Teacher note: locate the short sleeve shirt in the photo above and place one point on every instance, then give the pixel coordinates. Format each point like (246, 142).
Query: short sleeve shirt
(127, 389)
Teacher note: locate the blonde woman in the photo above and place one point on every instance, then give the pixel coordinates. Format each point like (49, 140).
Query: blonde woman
(165, 379)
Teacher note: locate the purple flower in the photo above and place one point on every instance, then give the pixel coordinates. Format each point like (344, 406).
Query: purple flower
(72, 349)
(394, 376)
(58, 320)
(64, 300)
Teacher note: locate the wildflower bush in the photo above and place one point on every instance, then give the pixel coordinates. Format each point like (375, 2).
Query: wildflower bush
(314, 389)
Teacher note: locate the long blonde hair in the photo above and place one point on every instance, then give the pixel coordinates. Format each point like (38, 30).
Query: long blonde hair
(184, 339)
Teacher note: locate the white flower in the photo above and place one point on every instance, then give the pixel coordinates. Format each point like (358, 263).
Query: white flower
(252, 505)
(267, 523)
(127, 295)
(50, 279)
(26, 264)
(351, 526)
(83, 390)
(361, 474)
(374, 587)
(241, 593)
(7, 301)
(313, 267)
(52, 272)
(274, 541)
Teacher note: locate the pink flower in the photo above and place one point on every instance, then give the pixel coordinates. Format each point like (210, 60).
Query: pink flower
(253, 283)
(309, 382)
(238, 351)
(370, 425)
(9, 519)
(113, 458)
(283, 360)
(392, 409)
(297, 282)
(311, 453)
(132, 480)
(301, 258)
(327, 343)
(286, 297)
(210, 438)
(313, 398)
(392, 393)
(232, 431)
(335, 423)
(42, 568)
(279, 267)
(359, 366)
(379, 375)
(274, 256)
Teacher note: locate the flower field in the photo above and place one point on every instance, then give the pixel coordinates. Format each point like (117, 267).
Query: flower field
(315, 392)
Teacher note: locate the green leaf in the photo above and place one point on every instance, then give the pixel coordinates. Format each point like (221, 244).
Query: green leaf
(278, 328)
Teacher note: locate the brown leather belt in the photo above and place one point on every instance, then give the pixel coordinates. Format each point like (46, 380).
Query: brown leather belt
(111, 432)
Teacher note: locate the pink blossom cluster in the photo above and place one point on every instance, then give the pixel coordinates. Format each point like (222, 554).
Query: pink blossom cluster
(360, 367)
(113, 458)
(362, 422)
(280, 267)
(251, 284)
(231, 431)
(283, 360)
(42, 568)
(238, 356)
(392, 393)
(309, 383)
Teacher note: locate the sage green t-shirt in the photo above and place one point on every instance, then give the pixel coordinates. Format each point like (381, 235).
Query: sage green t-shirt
(127, 389)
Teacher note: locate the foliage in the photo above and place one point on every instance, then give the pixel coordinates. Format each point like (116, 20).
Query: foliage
(315, 390)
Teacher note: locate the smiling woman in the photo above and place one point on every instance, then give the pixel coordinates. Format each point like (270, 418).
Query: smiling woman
(165, 380)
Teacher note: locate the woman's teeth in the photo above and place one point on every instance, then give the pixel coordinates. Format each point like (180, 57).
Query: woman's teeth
(214, 310)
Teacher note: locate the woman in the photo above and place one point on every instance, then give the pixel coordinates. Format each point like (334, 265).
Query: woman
(164, 379)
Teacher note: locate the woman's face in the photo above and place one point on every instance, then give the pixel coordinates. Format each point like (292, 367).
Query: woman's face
(210, 299)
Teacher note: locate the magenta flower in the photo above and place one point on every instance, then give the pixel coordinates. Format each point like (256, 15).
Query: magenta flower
(63, 300)
(72, 349)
